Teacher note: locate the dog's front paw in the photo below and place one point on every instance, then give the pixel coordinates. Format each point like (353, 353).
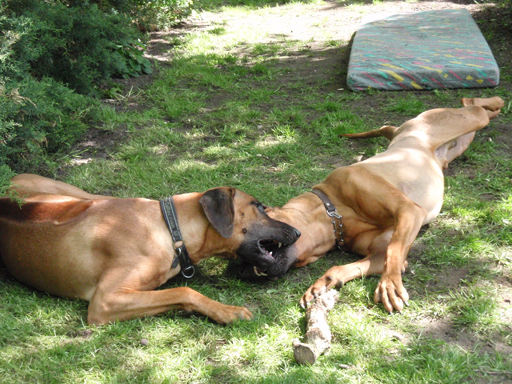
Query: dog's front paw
(391, 293)
(329, 280)
(227, 314)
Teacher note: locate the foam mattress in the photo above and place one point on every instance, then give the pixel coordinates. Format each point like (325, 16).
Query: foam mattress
(421, 50)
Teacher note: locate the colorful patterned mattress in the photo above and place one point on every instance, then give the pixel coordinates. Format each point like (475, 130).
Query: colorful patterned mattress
(421, 50)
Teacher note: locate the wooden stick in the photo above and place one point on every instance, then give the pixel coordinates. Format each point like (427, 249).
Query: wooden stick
(318, 335)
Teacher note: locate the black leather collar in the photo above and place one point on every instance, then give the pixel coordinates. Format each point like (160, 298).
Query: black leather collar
(171, 219)
(336, 221)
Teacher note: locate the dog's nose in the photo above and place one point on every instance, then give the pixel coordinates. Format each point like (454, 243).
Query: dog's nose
(297, 233)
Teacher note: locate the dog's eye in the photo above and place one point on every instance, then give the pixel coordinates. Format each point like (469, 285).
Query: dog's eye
(260, 207)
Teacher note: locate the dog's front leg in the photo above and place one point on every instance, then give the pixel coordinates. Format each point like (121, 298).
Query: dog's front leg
(390, 292)
(386, 254)
(119, 305)
(374, 245)
(339, 275)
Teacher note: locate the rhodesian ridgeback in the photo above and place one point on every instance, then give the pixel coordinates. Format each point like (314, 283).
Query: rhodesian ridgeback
(376, 207)
(113, 252)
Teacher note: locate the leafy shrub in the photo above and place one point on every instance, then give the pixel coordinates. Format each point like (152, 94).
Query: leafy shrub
(53, 49)
(78, 46)
(37, 115)
(163, 13)
(148, 14)
(135, 63)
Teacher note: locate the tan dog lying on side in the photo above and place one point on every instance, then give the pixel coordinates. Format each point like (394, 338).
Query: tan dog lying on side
(114, 252)
(383, 201)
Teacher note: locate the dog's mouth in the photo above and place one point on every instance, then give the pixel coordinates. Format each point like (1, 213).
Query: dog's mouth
(270, 252)
(270, 248)
(259, 272)
(268, 256)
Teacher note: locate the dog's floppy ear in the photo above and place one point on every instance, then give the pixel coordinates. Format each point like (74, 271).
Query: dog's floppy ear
(219, 208)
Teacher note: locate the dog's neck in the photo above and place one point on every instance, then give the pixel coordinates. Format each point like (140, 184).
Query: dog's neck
(197, 232)
(309, 216)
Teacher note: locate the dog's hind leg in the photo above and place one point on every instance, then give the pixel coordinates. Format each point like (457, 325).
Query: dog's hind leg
(492, 103)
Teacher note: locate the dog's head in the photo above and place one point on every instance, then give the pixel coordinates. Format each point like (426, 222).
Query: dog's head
(310, 218)
(307, 249)
(260, 241)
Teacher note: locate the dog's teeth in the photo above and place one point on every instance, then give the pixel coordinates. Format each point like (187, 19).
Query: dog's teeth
(279, 245)
(258, 273)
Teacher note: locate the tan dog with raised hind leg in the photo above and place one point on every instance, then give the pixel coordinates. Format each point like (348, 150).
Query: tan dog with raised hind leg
(377, 206)
(114, 252)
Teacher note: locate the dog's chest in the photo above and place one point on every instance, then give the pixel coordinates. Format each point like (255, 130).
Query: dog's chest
(171, 270)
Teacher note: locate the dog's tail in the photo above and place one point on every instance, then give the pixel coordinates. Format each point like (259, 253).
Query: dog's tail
(388, 131)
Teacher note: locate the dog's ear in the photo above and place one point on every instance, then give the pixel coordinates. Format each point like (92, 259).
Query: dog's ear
(219, 208)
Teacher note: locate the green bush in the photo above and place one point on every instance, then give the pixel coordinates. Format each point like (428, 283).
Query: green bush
(54, 51)
(53, 56)
(78, 46)
(148, 14)
(163, 13)
(39, 117)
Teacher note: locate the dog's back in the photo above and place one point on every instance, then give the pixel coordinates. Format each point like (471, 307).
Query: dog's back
(28, 185)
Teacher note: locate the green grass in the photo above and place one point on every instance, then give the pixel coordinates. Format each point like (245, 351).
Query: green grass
(233, 110)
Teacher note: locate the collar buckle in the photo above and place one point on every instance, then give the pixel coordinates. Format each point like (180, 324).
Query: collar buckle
(334, 214)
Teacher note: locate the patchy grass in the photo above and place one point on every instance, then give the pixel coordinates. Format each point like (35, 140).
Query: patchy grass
(254, 98)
